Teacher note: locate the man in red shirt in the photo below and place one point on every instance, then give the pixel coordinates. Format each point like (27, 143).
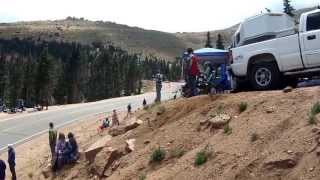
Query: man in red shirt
(193, 72)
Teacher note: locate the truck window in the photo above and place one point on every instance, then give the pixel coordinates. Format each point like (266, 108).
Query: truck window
(259, 39)
(313, 22)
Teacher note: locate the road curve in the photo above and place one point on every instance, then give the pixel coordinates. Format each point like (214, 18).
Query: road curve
(16, 130)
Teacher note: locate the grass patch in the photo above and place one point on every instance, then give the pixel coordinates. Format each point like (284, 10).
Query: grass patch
(142, 177)
(177, 153)
(158, 155)
(227, 129)
(315, 108)
(242, 107)
(313, 112)
(254, 137)
(203, 156)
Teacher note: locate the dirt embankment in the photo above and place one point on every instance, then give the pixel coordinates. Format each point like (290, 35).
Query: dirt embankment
(270, 139)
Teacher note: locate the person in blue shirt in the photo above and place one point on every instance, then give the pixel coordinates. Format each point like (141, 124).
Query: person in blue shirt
(2, 170)
(12, 161)
(72, 151)
(219, 79)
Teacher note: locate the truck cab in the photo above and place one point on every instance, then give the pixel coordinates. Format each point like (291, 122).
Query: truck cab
(269, 50)
(309, 30)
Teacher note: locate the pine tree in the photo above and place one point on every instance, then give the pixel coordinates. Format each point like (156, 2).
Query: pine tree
(288, 9)
(43, 78)
(208, 41)
(219, 42)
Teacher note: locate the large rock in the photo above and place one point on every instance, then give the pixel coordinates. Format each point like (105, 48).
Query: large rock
(107, 160)
(116, 131)
(219, 121)
(283, 162)
(95, 148)
(130, 145)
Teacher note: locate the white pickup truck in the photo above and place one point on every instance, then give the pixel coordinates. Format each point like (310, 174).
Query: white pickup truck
(269, 51)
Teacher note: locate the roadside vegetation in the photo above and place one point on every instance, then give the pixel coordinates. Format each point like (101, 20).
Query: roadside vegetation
(157, 155)
(314, 111)
(242, 107)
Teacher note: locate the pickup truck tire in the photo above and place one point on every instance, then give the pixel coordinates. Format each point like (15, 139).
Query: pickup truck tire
(265, 76)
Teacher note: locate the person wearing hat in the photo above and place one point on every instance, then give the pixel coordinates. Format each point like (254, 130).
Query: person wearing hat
(2, 170)
(12, 161)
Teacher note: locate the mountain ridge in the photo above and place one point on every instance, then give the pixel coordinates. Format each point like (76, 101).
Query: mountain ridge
(131, 38)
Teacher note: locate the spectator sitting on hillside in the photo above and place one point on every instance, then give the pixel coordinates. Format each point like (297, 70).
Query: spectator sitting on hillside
(71, 153)
(105, 124)
(59, 152)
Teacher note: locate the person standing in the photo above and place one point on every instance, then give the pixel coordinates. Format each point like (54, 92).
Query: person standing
(2, 170)
(52, 138)
(129, 109)
(193, 72)
(12, 161)
(144, 103)
(115, 119)
(158, 87)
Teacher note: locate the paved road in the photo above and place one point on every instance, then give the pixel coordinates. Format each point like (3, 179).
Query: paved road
(18, 129)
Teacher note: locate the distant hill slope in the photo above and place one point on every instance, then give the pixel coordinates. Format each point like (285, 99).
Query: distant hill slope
(133, 39)
(198, 39)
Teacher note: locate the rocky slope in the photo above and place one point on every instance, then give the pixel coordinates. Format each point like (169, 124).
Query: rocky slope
(269, 138)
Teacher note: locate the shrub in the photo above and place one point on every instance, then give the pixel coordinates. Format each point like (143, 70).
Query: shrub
(203, 156)
(177, 153)
(142, 177)
(242, 107)
(315, 109)
(158, 155)
(227, 129)
(254, 137)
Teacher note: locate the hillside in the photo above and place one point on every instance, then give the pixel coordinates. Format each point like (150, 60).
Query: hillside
(132, 39)
(271, 139)
(197, 39)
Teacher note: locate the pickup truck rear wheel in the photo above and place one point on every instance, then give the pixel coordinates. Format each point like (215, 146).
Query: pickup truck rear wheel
(265, 76)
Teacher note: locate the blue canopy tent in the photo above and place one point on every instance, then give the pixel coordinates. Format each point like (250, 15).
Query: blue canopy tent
(215, 56)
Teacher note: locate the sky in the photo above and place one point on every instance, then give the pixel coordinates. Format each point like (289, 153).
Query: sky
(162, 15)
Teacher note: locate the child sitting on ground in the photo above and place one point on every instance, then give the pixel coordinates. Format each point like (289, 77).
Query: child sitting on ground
(105, 124)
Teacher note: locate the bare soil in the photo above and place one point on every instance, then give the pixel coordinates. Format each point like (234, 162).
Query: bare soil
(270, 140)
